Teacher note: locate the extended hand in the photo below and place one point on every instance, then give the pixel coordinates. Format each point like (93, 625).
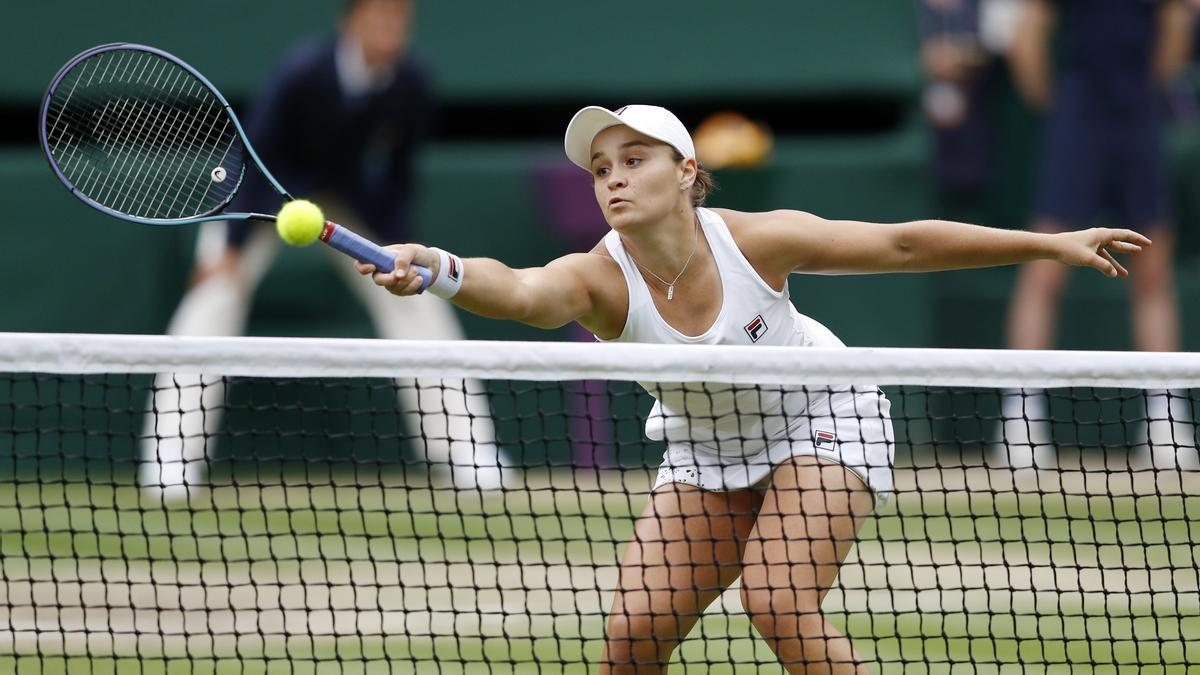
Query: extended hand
(403, 280)
(1094, 248)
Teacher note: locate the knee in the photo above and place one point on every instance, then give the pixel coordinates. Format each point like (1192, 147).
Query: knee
(1152, 277)
(780, 613)
(639, 642)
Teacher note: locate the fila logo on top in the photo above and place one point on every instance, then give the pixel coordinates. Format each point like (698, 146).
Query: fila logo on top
(823, 438)
(756, 328)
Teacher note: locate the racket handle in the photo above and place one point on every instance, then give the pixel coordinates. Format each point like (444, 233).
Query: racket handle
(366, 251)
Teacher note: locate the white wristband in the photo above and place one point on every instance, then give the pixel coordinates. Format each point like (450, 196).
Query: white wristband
(449, 279)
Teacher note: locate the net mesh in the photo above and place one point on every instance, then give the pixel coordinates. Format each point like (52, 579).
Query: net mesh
(174, 505)
(141, 135)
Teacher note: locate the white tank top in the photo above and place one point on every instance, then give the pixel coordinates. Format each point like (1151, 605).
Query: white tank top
(736, 419)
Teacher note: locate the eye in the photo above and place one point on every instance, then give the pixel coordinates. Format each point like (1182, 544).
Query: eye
(601, 172)
(633, 161)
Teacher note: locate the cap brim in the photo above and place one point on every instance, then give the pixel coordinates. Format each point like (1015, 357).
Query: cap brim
(583, 129)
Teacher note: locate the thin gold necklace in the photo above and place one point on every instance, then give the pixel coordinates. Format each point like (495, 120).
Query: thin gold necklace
(671, 284)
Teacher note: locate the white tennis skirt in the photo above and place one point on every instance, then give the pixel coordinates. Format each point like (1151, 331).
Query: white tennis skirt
(854, 431)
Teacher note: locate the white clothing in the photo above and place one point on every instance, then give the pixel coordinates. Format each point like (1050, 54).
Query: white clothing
(455, 426)
(729, 437)
(354, 75)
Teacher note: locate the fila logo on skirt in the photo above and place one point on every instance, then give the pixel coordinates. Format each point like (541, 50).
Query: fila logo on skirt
(823, 439)
(756, 328)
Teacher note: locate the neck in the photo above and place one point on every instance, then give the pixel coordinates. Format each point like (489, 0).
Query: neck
(665, 245)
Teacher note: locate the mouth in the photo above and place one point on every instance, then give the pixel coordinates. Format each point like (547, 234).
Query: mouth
(616, 200)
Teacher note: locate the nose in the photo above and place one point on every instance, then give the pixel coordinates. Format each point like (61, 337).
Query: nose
(616, 180)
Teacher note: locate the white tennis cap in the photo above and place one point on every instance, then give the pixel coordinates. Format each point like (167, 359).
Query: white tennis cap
(657, 123)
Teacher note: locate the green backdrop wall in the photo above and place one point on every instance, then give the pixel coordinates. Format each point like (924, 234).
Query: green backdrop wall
(489, 49)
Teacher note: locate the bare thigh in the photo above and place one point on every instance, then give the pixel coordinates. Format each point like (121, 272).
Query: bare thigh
(686, 549)
(807, 524)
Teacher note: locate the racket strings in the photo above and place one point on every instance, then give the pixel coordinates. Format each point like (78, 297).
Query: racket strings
(139, 134)
(159, 123)
(122, 123)
(141, 126)
(145, 126)
(127, 121)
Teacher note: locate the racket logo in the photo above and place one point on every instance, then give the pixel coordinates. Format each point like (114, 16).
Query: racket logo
(219, 174)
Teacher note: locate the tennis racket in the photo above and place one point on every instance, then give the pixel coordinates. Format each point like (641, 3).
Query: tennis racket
(140, 135)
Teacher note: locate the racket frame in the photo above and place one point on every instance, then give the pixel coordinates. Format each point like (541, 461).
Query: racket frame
(212, 214)
(345, 241)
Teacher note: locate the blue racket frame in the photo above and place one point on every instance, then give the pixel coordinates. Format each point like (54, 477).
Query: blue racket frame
(340, 238)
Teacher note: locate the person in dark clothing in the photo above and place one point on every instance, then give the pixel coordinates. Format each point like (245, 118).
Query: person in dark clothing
(364, 126)
(962, 44)
(340, 121)
(1102, 154)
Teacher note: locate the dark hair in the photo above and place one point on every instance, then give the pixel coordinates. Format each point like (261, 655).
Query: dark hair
(705, 183)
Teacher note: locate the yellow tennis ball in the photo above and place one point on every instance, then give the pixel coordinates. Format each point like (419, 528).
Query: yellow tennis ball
(300, 222)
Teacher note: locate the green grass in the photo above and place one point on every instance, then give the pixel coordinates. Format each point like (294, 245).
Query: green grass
(939, 583)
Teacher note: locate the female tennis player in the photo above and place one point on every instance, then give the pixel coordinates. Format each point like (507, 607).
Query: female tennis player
(770, 484)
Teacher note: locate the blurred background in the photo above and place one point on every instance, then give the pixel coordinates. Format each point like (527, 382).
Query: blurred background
(832, 95)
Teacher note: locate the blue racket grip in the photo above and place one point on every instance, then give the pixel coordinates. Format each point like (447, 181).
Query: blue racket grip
(366, 251)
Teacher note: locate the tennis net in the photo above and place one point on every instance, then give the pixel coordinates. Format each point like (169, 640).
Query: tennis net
(252, 505)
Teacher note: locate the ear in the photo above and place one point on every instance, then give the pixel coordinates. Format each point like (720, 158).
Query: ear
(687, 174)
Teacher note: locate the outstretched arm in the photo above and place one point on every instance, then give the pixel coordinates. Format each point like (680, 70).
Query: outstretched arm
(545, 297)
(792, 241)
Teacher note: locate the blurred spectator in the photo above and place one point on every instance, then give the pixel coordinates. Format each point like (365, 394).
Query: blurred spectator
(339, 121)
(962, 42)
(1102, 154)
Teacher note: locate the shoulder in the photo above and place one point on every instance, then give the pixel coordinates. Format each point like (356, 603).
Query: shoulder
(773, 241)
(302, 65)
(766, 228)
(597, 265)
(413, 75)
(595, 269)
(307, 56)
(415, 64)
(601, 276)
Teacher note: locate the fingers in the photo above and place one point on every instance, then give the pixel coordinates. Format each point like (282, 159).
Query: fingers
(403, 278)
(398, 282)
(1124, 247)
(1111, 238)
(412, 284)
(1110, 266)
(1104, 267)
(1133, 237)
(1107, 242)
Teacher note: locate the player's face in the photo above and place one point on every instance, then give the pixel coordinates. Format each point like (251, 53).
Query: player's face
(636, 178)
(381, 27)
